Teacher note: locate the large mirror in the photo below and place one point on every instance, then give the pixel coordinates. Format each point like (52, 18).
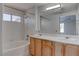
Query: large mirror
(62, 20)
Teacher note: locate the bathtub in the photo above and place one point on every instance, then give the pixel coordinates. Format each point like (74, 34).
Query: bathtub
(16, 48)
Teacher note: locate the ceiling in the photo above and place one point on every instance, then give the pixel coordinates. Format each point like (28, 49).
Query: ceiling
(24, 6)
(30, 7)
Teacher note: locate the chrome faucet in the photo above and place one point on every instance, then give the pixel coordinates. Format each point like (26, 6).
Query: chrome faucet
(67, 37)
(40, 34)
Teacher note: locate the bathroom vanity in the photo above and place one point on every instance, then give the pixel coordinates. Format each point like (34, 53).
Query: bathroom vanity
(46, 45)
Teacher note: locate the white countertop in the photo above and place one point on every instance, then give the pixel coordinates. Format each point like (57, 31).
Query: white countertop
(61, 39)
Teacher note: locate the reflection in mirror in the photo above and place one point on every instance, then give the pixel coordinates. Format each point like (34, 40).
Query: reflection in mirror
(61, 27)
(68, 25)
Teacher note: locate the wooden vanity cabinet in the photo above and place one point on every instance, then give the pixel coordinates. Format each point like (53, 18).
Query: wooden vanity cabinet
(39, 47)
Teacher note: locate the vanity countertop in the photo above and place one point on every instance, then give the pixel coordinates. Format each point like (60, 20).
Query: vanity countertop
(61, 39)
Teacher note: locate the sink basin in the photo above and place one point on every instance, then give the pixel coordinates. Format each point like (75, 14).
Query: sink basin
(73, 39)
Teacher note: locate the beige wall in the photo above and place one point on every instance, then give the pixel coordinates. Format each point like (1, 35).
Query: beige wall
(0, 29)
(29, 22)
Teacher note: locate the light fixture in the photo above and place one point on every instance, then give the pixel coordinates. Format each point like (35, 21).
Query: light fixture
(53, 7)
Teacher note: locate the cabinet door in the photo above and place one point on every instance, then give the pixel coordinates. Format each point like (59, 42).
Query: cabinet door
(58, 49)
(71, 50)
(38, 47)
(46, 48)
(32, 46)
(46, 51)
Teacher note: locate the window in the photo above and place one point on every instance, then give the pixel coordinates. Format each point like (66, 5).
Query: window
(61, 27)
(6, 17)
(13, 18)
(16, 18)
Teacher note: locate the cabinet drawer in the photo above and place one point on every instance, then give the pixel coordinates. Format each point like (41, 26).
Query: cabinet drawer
(47, 43)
